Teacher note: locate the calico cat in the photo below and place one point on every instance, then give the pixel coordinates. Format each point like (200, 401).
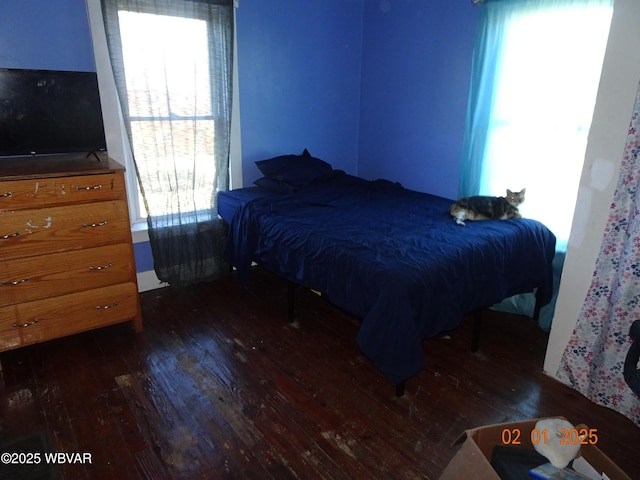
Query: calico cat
(487, 208)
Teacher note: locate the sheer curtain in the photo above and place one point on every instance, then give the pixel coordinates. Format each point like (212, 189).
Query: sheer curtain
(172, 62)
(593, 361)
(536, 69)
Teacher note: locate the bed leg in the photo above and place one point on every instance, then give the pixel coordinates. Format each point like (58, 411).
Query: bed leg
(290, 304)
(537, 307)
(400, 389)
(477, 326)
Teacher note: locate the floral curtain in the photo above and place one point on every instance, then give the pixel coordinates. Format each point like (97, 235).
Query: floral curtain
(593, 360)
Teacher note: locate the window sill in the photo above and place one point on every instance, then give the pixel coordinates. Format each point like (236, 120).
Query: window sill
(139, 232)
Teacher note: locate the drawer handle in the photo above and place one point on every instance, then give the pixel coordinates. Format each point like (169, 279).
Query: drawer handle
(4, 237)
(104, 307)
(103, 267)
(91, 187)
(25, 325)
(16, 282)
(6, 194)
(94, 224)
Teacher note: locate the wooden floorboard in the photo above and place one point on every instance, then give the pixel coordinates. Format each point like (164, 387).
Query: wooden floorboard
(221, 385)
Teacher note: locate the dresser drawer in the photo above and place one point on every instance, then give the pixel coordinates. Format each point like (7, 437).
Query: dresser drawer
(36, 232)
(41, 320)
(42, 192)
(32, 278)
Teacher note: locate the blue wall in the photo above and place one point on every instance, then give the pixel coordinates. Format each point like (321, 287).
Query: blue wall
(416, 68)
(299, 74)
(47, 35)
(375, 87)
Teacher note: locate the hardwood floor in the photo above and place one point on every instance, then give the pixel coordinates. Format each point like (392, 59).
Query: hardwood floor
(220, 385)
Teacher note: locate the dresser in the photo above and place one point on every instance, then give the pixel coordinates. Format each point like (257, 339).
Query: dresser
(66, 255)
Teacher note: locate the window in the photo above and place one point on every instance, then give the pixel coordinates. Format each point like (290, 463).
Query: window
(169, 100)
(172, 65)
(540, 67)
(117, 137)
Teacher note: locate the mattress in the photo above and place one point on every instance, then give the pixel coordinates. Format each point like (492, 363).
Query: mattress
(229, 201)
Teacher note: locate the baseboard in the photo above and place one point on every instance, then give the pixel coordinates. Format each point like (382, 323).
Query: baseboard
(149, 281)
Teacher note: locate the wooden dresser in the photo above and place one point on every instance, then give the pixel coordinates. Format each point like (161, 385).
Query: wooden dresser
(66, 255)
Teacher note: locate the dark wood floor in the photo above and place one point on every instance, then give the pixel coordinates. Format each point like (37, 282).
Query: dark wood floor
(219, 385)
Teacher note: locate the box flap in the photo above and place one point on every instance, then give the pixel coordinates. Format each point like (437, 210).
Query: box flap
(469, 464)
(598, 460)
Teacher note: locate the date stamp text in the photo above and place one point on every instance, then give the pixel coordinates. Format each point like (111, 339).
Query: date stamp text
(567, 436)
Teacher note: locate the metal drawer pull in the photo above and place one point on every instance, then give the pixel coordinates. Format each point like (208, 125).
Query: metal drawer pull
(94, 224)
(103, 267)
(6, 194)
(4, 237)
(92, 187)
(104, 307)
(16, 282)
(25, 325)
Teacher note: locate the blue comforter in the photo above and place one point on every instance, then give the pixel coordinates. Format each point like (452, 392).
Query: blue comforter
(392, 256)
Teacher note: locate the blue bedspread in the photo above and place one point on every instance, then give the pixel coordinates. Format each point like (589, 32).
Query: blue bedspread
(392, 256)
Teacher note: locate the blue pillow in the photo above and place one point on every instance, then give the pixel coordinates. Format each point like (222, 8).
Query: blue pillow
(296, 170)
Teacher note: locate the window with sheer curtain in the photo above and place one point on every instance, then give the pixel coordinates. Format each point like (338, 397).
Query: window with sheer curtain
(172, 63)
(170, 106)
(536, 70)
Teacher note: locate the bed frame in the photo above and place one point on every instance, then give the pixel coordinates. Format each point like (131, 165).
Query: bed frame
(475, 336)
(391, 256)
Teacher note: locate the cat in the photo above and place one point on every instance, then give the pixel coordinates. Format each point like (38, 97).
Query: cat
(488, 208)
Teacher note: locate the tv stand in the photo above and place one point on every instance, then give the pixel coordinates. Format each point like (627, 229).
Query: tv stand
(66, 255)
(93, 153)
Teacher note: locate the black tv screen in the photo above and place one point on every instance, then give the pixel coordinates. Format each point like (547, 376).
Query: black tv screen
(49, 112)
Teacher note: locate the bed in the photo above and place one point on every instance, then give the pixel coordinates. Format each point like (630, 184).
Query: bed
(390, 255)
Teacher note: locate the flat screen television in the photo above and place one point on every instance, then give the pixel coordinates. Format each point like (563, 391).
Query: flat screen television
(45, 112)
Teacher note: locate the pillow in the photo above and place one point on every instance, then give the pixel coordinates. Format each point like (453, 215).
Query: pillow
(274, 185)
(276, 164)
(296, 170)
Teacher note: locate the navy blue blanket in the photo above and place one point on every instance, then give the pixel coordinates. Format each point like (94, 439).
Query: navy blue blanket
(392, 256)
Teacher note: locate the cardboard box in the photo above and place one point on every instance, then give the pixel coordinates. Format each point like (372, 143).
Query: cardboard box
(473, 460)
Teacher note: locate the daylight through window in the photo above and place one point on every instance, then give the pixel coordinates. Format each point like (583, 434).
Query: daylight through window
(169, 100)
(545, 95)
